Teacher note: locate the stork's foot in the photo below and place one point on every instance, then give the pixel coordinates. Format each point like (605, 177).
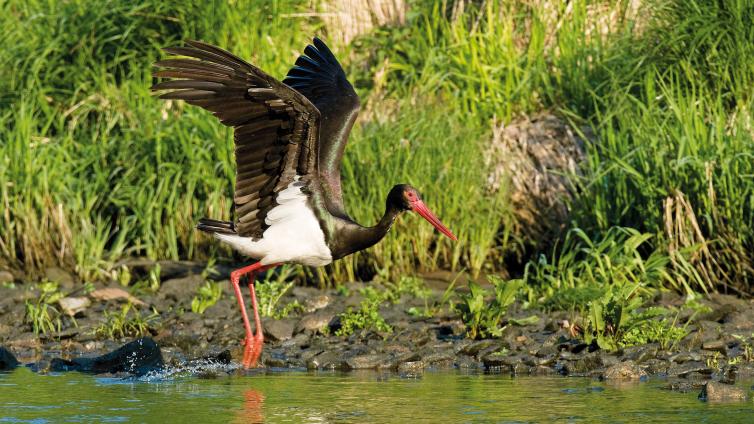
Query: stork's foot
(252, 350)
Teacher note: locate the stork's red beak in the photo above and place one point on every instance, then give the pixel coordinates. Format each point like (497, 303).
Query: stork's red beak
(419, 207)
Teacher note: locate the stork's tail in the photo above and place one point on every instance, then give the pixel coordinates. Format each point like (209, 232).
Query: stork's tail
(216, 227)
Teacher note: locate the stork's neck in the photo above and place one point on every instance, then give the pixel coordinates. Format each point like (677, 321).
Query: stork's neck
(354, 237)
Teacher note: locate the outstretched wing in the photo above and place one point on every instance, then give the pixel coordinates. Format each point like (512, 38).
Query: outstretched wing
(318, 76)
(275, 127)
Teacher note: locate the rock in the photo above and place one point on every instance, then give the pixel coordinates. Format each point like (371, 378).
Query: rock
(498, 360)
(714, 345)
(181, 289)
(137, 357)
(411, 367)
(683, 357)
(316, 303)
(687, 368)
(114, 293)
(474, 348)
(223, 357)
(314, 322)
(640, 354)
(74, 305)
(719, 392)
(278, 330)
(60, 276)
(585, 364)
(8, 361)
(624, 371)
(369, 361)
(683, 386)
(327, 360)
(720, 314)
(176, 269)
(6, 277)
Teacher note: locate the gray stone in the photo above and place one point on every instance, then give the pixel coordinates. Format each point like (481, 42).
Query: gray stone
(314, 322)
(327, 360)
(368, 361)
(687, 368)
(714, 345)
(624, 371)
(683, 357)
(640, 354)
(316, 303)
(74, 305)
(181, 289)
(411, 367)
(585, 364)
(278, 330)
(474, 348)
(60, 276)
(714, 391)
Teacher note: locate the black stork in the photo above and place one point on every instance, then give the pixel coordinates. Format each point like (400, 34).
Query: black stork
(289, 140)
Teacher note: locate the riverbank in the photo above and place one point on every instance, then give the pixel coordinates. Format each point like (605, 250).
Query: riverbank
(406, 328)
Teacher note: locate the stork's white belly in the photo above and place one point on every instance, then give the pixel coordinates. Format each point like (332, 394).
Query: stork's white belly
(293, 235)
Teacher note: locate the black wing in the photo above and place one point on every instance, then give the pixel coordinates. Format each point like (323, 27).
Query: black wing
(275, 127)
(318, 76)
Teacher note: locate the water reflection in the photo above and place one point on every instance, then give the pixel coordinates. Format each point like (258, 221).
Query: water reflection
(252, 409)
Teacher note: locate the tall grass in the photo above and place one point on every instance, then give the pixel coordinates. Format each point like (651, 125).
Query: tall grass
(94, 168)
(98, 169)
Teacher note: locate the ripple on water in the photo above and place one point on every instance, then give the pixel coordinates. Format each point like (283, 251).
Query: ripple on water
(186, 391)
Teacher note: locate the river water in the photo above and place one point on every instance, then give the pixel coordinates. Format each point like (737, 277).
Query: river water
(301, 397)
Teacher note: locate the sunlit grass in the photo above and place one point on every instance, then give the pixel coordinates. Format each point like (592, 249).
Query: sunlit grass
(93, 168)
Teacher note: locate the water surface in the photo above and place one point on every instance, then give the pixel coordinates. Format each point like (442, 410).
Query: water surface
(293, 397)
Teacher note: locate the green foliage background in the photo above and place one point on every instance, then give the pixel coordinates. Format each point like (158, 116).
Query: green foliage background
(94, 168)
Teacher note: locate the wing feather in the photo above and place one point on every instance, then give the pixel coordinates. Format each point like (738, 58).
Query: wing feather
(273, 124)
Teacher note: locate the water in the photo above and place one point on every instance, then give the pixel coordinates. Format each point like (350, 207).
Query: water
(293, 397)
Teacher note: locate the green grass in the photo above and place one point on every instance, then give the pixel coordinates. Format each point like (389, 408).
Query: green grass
(94, 168)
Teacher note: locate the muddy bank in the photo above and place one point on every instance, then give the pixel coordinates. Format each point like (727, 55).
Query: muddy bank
(419, 333)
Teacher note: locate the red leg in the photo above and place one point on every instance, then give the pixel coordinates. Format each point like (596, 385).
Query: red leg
(253, 342)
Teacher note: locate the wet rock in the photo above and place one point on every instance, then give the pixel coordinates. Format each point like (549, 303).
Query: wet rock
(743, 371)
(74, 305)
(640, 354)
(411, 367)
(137, 357)
(60, 276)
(656, 366)
(475, 347)
(181, 289)
(278, 330)
(327, 360)
(314, 322)
(370, 361)
(624, 371)
(438, 357)
(683, 357)
(719, 392)
(547, 351)
(684, 386)
(223, 357)
(584, 365)
(496, 360)
(8, 361)
(682, 370)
